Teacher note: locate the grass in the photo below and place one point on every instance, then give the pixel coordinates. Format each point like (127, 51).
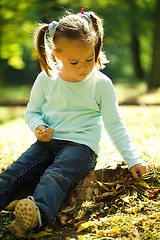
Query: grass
(14, 95)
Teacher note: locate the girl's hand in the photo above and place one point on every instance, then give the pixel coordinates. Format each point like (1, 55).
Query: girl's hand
(140, 169)
(44, 133)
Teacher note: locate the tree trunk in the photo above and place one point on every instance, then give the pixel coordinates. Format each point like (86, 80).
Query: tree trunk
(154, 80)
(135, 45)
(135, 50)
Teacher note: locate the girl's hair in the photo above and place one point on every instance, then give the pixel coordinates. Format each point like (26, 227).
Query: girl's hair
(72, 26)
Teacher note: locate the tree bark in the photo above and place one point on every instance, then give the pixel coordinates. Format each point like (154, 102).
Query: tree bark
(135, 50)
(154, 79)
(135, 44)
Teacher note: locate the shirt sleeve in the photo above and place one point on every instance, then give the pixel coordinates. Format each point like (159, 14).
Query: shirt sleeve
(34, 116)
(115, 127)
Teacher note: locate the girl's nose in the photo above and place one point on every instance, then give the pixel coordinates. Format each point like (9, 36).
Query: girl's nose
(83, 66)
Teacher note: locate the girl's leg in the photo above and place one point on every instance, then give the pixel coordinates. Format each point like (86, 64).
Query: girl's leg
(72, 163)
(29, 167)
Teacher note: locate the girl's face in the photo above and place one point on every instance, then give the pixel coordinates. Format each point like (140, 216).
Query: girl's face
(78, 59)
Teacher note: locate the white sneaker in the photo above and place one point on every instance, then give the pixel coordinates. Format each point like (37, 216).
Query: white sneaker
(27, 217)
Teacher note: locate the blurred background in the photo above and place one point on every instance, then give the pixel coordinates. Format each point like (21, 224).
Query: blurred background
(132, 44)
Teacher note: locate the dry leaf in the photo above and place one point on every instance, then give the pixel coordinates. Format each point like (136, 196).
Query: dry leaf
(155, 215)
(81, 238)
(103, 186)
(125, 198)
(63, 219)
(76, 225)
(113, 190)
(111, 219)
(133, 209)
(142, 184)
(114, 230)
(12, 205)
(68, 238)
(85, 226)
(67, 210)
(39, 234)
(135, 233)
(107, 194)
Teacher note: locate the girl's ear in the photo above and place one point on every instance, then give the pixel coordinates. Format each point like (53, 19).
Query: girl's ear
(56, 54)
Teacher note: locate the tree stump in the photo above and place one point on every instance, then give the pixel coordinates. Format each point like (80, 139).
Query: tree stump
(86, 189)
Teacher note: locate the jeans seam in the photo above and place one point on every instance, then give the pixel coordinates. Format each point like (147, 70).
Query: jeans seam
(22, 173)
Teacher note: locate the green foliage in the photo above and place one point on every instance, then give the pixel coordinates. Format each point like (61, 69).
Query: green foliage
(121, 19)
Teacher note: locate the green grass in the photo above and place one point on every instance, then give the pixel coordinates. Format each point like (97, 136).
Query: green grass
(15, 95)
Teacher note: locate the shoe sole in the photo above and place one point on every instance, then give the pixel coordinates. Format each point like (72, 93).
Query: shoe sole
(25, 217)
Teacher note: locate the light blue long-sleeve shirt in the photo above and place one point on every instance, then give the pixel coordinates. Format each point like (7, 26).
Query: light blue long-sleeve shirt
(75, 111)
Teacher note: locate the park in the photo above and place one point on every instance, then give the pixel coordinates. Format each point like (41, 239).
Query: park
(108, 203)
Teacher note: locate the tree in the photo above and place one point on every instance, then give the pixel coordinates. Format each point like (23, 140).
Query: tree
(154, 79)
(134, 40)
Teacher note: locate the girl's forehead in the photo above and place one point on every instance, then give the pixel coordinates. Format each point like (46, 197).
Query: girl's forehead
(74, 47)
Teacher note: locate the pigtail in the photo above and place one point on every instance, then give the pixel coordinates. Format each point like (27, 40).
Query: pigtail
(100, 57)
(42, 48)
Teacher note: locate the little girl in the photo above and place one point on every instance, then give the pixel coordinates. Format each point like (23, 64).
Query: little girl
(70, 96)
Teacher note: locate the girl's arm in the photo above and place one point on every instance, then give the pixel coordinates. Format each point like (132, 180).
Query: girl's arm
(117, 131)
(34, 115)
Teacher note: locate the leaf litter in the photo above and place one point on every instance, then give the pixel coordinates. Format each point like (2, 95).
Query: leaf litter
(131, 212)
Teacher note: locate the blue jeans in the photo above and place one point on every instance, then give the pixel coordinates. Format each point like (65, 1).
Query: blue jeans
(59, 165)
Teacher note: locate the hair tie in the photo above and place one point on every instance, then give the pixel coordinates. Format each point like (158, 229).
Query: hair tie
(85, 15)
(52, 27)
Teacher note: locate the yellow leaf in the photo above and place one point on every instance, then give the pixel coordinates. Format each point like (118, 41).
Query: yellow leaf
(39, 234)
(155, 215)
(125, 198)
(113, 190)
(81, 238)
(103, 186)
(111, 219)
(85, 226)
(133, 209)
(114, 230)
(12, 205)
(68, 238)
(142, 183)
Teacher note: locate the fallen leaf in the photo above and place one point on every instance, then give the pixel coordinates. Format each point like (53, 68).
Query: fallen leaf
(113, 190)
(111, 219)
(68, 238)
(103, 186)
(67, 210)
(135, 233)
(63, 219)
(155, 215)
(114, 230)
(125, 198)
(85, 226)
(39, 234)
(12, 205)
(81, 238)
(133, 209)
(76, 225)
(142, 184)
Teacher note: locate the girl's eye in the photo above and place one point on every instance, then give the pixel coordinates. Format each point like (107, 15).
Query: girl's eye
(73, 63)
(89, 60)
